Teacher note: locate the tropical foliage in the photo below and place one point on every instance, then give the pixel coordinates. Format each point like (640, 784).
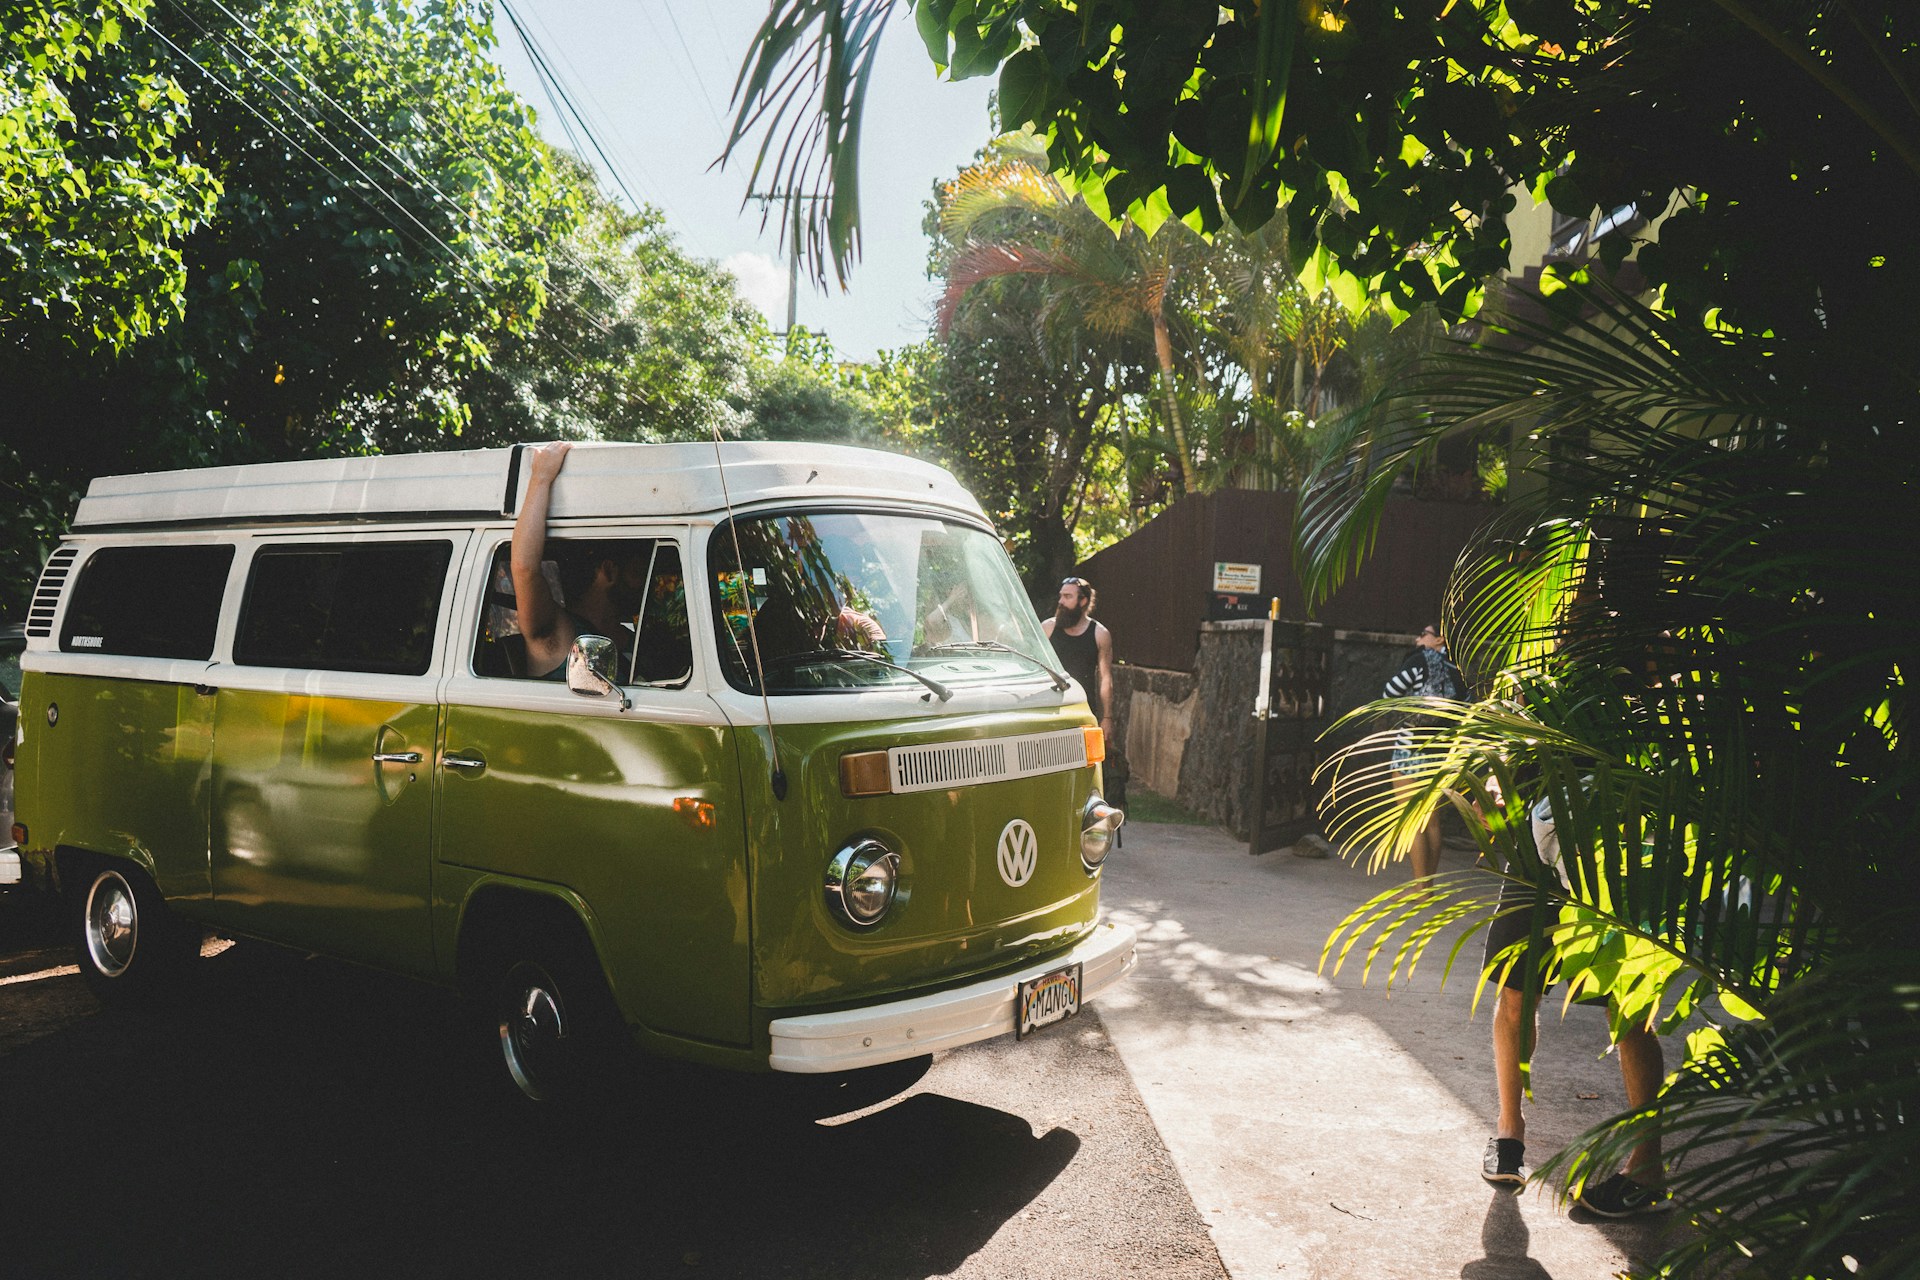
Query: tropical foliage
(95, 193)
(286, 228)
(1695, 600)
(1397, 136)
(1092, 375)
(1703, 680)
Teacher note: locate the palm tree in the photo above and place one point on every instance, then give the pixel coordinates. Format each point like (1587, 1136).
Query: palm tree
(1008, 216)
(1703, 676)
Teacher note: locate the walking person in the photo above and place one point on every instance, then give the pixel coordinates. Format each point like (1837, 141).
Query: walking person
(1640, 1187)
(1427, 673)
(1084, 647)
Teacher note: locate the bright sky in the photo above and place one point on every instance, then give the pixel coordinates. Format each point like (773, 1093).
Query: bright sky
(653, 79)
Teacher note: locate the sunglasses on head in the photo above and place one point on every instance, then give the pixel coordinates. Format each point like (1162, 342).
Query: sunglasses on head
(1075, 582)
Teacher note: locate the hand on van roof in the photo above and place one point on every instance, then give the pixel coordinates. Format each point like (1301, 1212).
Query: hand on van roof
(545, 460)
(540, 617)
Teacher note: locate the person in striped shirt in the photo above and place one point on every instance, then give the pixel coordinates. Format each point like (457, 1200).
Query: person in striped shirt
(1427, 673)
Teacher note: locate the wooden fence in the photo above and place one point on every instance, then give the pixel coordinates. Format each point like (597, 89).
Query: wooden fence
(1156, 586)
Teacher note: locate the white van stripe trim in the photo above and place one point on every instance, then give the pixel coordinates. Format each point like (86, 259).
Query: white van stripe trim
(945, 765)
(46, 594)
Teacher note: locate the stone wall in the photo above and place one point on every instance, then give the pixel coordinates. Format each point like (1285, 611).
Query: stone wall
(1363, 661)
(1153, 716)
(1191, 736)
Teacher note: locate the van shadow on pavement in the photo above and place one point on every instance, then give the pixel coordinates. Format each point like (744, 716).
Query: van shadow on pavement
(300, 1118)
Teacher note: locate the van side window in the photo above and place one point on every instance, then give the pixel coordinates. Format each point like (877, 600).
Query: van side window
(654, 643)
(348, 606)
(148, 602)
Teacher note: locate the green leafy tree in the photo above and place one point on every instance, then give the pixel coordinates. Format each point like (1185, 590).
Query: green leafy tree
(1395, 135)
(804, 391)
(383, 220)
(1700, 608)
(96, 194)
(636, 341)
(1049, 325)
(1006, 217)
(388, 217)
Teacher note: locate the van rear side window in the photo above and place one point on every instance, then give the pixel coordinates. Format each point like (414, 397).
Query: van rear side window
(358, 606)
(148, 602)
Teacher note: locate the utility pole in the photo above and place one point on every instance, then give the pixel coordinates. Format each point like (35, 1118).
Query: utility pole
(766, 199)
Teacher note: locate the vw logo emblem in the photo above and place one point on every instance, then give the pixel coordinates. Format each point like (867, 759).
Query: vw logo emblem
(1018, 853)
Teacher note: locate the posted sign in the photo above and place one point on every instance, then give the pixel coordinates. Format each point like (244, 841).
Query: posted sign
(1236, 579)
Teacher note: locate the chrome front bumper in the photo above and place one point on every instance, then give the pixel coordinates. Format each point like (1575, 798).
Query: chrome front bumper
(867, 1037)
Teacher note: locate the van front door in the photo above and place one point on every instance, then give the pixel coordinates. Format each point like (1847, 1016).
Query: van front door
(324, 740)
(632, 814)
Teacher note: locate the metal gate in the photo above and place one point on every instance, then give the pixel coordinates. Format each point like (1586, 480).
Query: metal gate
(1290, 712)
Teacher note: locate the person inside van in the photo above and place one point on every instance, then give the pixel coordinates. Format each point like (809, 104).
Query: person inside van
(600, 590)
(957, 620)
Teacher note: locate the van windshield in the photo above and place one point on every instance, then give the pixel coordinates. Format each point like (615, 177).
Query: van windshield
(846, 599)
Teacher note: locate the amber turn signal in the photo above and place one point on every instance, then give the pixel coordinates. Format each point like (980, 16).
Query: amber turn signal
(697, 812)
(1096, 745)
(864, 773)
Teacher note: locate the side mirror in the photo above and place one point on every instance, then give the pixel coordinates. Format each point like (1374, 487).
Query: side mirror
(590, 670)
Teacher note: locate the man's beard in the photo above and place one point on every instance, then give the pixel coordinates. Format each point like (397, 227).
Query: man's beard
(1069, 618)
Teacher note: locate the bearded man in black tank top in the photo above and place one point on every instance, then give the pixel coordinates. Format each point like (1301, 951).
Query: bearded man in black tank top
(1084, 647)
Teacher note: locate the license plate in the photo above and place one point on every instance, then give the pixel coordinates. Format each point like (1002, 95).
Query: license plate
(1047, 999)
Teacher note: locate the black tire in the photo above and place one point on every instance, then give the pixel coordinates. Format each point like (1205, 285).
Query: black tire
(130, 948)
(558, 1035)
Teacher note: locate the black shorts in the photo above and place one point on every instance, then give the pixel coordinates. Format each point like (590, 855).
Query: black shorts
(1516, 902)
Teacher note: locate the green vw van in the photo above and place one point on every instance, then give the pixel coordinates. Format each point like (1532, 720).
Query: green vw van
(292, 702)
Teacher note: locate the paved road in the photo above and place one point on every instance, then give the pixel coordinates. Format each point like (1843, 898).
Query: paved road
(1326, 1128)
(1228, 1111)
(307, 1119)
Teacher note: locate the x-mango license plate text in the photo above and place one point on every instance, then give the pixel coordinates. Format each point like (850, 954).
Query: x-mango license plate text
(1047, 999)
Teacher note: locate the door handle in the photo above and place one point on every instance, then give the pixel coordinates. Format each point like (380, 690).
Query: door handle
(396, 757)
(463, 762)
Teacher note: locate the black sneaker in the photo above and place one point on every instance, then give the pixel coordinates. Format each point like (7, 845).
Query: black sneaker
(1502, 1165)
(1622, 1197)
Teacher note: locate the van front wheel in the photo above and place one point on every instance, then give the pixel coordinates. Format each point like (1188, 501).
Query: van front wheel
(554, 1020)
(130, 947)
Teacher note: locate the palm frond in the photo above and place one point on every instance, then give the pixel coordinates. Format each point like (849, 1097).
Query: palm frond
(1791, 1139)
(1703, 696)
(804, 83)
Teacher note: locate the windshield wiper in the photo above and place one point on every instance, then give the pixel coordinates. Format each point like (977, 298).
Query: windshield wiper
(852, 655)
(994, 646)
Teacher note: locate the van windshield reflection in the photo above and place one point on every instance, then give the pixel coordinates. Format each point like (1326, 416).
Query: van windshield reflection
(845, 600)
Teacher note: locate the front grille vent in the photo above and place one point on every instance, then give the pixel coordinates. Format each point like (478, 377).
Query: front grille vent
(46, 595)
(945, 765)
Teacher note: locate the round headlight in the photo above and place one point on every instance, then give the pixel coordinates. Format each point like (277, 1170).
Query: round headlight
(1098, 821)
(862, 880)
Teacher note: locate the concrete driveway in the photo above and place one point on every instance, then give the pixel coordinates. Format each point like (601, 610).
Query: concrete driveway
(1324, 1126)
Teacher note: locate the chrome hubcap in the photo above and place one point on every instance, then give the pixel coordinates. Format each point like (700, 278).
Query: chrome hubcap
(112, 924)
(533, 1029)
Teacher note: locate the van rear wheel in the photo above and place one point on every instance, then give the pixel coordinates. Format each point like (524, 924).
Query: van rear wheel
(131, 949)
(556, 1027)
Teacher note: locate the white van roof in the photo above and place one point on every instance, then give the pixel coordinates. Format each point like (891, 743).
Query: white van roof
(599, 480)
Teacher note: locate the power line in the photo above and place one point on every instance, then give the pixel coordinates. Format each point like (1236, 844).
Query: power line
(580, 82)
(692, 65)
(560, 246)
(553, 86)
(291, 98)
(452, 257)
(289, 140)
